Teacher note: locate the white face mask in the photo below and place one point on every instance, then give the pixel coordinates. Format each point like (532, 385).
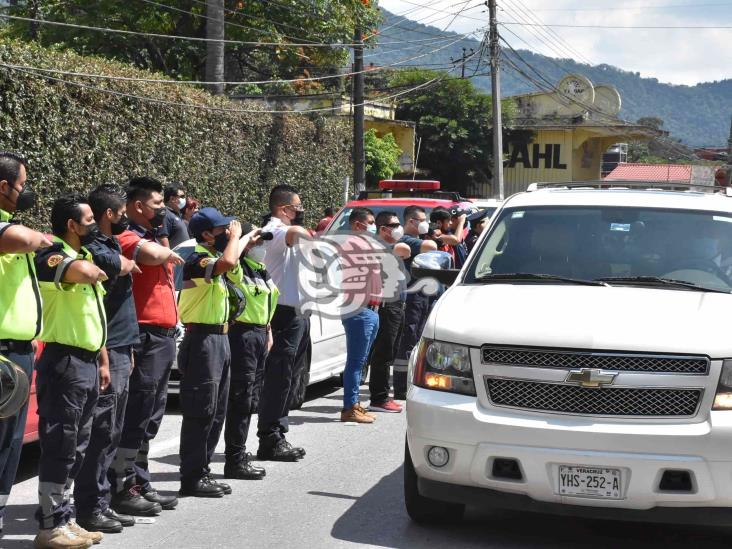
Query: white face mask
(397, 232)
(258, 253)
(424, 227)
(181, 203)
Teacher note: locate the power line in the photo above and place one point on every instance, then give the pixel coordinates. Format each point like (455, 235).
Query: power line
(440, 10)
(640, 27)
(642, 7)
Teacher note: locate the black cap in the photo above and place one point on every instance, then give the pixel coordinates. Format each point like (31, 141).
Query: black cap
(480, 215)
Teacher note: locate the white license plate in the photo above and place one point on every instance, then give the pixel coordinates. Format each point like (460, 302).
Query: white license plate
(595, 482)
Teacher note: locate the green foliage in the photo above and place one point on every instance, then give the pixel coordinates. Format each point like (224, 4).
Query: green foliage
(698, 115)
(276, 22)
(77, 138)
(382, 157)
(454, 122)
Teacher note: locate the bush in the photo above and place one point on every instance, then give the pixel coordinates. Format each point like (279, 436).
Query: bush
(76, 138)
(382, 157)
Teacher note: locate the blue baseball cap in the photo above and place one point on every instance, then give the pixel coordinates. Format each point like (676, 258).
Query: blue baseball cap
(206, 219)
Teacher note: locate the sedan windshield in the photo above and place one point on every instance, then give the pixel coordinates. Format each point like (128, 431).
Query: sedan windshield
(676, 249)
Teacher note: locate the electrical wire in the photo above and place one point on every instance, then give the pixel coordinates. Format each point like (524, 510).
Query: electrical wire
(624, 27)
(642, 7)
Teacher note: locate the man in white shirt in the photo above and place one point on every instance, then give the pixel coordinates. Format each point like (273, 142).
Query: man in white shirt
(289, 326)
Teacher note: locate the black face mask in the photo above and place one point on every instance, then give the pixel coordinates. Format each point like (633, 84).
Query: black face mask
(220, 242)
(157, 218)
(26, 199)
(299, 218)
(92, 231)
(120, 226)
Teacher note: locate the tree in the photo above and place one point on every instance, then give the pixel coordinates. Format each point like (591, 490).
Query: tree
(454, 121)
(281, 23)
(382, 157)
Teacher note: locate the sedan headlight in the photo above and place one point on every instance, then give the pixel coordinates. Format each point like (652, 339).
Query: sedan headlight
(444, 366)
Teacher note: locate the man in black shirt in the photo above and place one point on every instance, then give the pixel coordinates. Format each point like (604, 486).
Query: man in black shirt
(92, 488)
(174, 230)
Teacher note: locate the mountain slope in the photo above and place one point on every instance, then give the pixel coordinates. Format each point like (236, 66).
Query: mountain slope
(697, 115)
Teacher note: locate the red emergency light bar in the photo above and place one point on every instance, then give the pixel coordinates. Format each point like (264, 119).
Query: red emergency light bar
(409, 184)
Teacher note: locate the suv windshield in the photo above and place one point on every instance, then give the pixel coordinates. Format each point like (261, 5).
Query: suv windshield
(678, 249)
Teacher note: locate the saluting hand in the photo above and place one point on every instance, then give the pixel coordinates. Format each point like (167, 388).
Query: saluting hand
(234, 230)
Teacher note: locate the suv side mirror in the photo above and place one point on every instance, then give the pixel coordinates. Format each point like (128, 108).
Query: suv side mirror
(437, 265)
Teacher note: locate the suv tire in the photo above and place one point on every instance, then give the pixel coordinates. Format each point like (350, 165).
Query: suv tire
(424, 510)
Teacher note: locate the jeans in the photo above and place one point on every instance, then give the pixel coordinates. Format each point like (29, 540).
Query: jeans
(391, 317)
(361, 330)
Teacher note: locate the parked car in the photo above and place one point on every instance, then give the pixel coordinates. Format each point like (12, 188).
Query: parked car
(580, 363)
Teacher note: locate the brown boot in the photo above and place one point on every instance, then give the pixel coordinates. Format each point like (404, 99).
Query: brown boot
(365, 412)
(60, 538)
(354, 416)
(94, 537)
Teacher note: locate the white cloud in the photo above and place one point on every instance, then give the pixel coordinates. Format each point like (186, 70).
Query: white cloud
(678, 56)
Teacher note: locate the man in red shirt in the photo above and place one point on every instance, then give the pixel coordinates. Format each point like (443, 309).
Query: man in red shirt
(157, 315)
(325, 221)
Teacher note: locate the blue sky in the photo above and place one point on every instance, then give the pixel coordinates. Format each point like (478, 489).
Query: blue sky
(677, 56)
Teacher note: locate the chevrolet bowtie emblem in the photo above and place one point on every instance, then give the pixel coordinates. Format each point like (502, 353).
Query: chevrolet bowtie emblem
(591, 377)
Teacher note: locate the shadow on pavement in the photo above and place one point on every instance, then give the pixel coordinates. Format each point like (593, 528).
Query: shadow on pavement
(379, 518)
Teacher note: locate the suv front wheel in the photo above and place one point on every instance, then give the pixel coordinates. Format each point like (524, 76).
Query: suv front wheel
(424, 510)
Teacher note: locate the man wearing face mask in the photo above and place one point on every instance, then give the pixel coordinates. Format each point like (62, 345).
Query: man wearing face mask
(250, 339)
(174, 230)
(289, 326)
(205, 352)
(74, 331)
(417, 305)
(20, 303)
(92, 488)
(153, 352)
(391, 316)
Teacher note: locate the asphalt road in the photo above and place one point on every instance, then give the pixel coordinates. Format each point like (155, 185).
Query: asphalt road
(346, 492)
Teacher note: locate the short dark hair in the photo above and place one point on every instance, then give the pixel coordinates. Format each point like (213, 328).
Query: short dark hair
(409, 212)
(106, 197)
(172, 190)
(328, 212)
(384, 217)
(10, 164)
(140, 188)
(64, 208)
(360, 215)
(281, 195)
(440, 214)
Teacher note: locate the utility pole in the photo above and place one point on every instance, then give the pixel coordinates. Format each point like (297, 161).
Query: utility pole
(496, 95)
(215, 50)
(359, 152)
(463, 60)
(728, 167)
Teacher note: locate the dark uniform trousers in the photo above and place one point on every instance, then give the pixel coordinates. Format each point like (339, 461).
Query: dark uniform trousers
(204, 388)
(416, 311)
(248, 344)
(391, 317)
(148, 394)
(67, 388)
(288, 331)
(92, 487)
(12, 429)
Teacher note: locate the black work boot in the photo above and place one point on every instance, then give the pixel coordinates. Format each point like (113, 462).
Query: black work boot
(281, 451)
(244, 470)
(130, 502)
(297, 449)
(97, 522)
(166, 502)
(124, 520)
(202, 488)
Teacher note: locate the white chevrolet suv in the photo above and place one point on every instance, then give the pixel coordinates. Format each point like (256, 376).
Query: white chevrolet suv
(581, 363)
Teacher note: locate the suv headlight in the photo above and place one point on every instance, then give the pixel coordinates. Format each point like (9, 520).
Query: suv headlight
(443, 367)
(723, 398)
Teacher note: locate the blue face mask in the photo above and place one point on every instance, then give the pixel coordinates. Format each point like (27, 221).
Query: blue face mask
(181, 203)
(371, 228)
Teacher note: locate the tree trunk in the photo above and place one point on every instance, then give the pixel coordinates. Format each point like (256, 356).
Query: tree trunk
(215, 50)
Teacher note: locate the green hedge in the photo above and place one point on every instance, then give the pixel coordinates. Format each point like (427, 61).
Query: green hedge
(76, 138)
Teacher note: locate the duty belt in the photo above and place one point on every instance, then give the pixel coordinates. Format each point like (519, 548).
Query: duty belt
(207, 328)
(15, 346)
(239, 325)
(82, 354)
(158, 330)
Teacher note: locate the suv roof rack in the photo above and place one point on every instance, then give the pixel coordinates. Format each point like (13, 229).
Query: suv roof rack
(638, 185)
(408, 193)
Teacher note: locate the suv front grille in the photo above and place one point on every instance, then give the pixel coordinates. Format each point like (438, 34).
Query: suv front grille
(607, 401)
(556, 358)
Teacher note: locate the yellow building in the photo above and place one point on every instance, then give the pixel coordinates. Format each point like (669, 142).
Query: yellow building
(572, 128)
